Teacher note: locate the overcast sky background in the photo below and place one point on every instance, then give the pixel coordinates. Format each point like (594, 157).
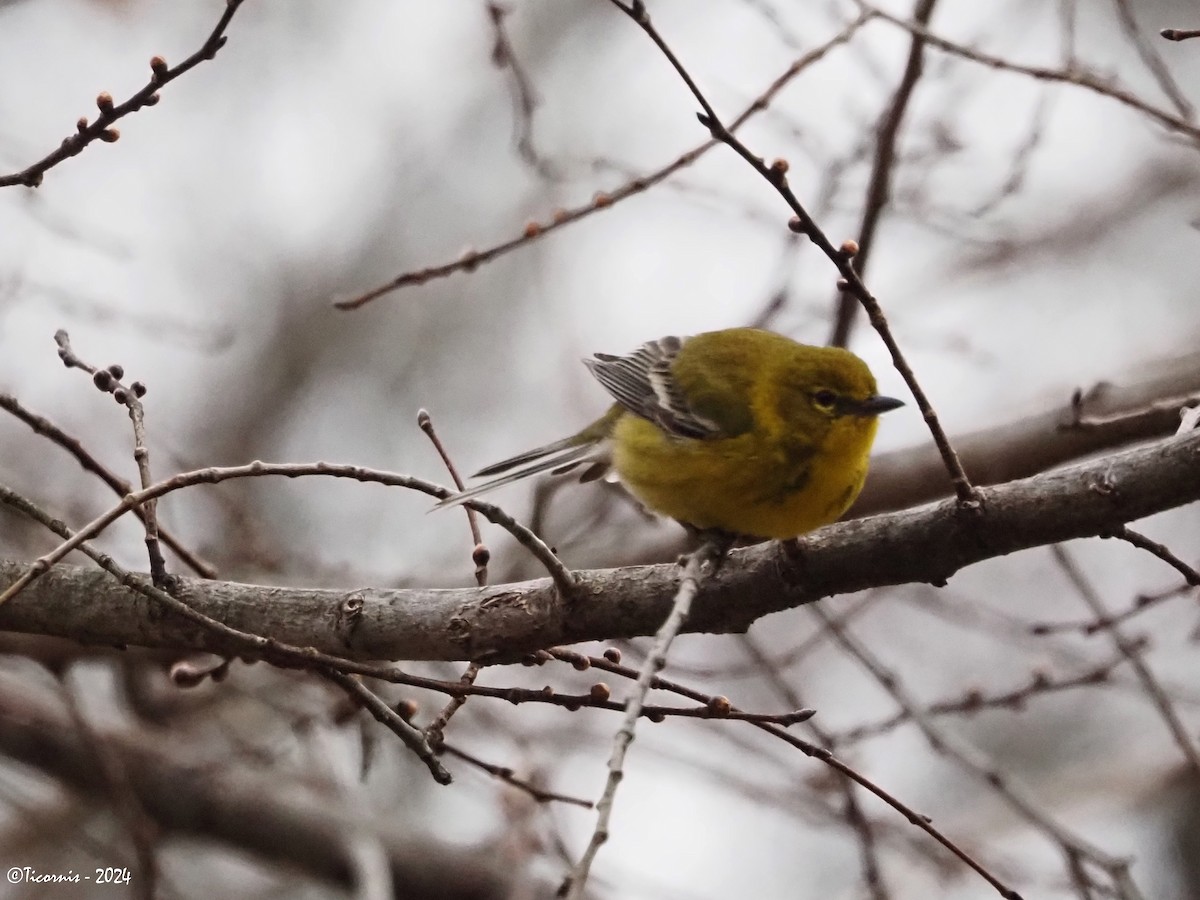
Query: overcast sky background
(332, 146)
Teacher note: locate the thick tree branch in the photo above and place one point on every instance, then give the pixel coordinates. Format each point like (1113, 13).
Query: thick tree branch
(928, 544)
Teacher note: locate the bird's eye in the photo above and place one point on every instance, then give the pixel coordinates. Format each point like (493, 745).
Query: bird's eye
(825, 400)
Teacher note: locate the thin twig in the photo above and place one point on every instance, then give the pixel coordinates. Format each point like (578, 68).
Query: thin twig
(563, 579)
(385, 715)
(525, 98)
(118, 485)
(1075, 76)
(505, 774)
(974, 760)
(433, 732)
(1143, 602)
(110, 112)
(328, 667)
(973, 701)
(1150, 58)
(573, 888)
(879, 184)
(803, 223)
(921, 821)
(851, 808)
(1125, 533)
(480, 555)
(278, 653)
(473, 259)
(109, 381)
(1132, 651)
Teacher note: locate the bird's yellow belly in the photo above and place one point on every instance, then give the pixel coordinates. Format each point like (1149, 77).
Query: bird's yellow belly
(742, 485)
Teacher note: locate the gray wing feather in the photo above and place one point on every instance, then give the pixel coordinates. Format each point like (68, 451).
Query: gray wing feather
(642, 382)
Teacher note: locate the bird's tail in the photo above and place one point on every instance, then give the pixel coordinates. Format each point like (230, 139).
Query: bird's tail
(559, 457)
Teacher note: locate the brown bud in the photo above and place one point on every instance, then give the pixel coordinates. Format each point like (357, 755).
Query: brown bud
(104, 102)
(656, 715)
(795, 225)
(719, 706)
(481, 555)
(423, 420)
(601, 200)
(82, 124)
(849, 247)
(560, 215)
(103, 379)
(532, 229)
(158, 66)
(406, 709)
(116, 371)
(581, 663)
(110, 135)
(780, 166)
(599, 692)
(186, 674)
(612, 654)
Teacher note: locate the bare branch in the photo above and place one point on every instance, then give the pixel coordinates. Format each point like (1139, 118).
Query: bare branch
(101, 129)
(879, 185)
(574, 887)
(392, 720)
(1076, 76)
(1132, 651)
(802, 222)
(118, 485)
(249, 810)
(928, 544)
(1104, 417)
(472, 259)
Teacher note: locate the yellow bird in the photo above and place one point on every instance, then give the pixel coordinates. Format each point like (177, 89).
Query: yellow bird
(741, 431)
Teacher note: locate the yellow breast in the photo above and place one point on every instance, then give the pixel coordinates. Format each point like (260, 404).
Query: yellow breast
(753, 484)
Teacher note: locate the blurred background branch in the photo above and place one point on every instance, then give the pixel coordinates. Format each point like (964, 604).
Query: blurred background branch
(1022, 178)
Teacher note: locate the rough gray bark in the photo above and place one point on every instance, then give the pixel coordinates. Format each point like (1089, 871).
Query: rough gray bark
(928, 544)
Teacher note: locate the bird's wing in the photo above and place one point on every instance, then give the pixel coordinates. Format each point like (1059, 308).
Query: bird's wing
(645, 384)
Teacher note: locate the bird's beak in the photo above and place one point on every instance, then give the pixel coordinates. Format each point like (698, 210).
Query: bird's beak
(874, 406)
